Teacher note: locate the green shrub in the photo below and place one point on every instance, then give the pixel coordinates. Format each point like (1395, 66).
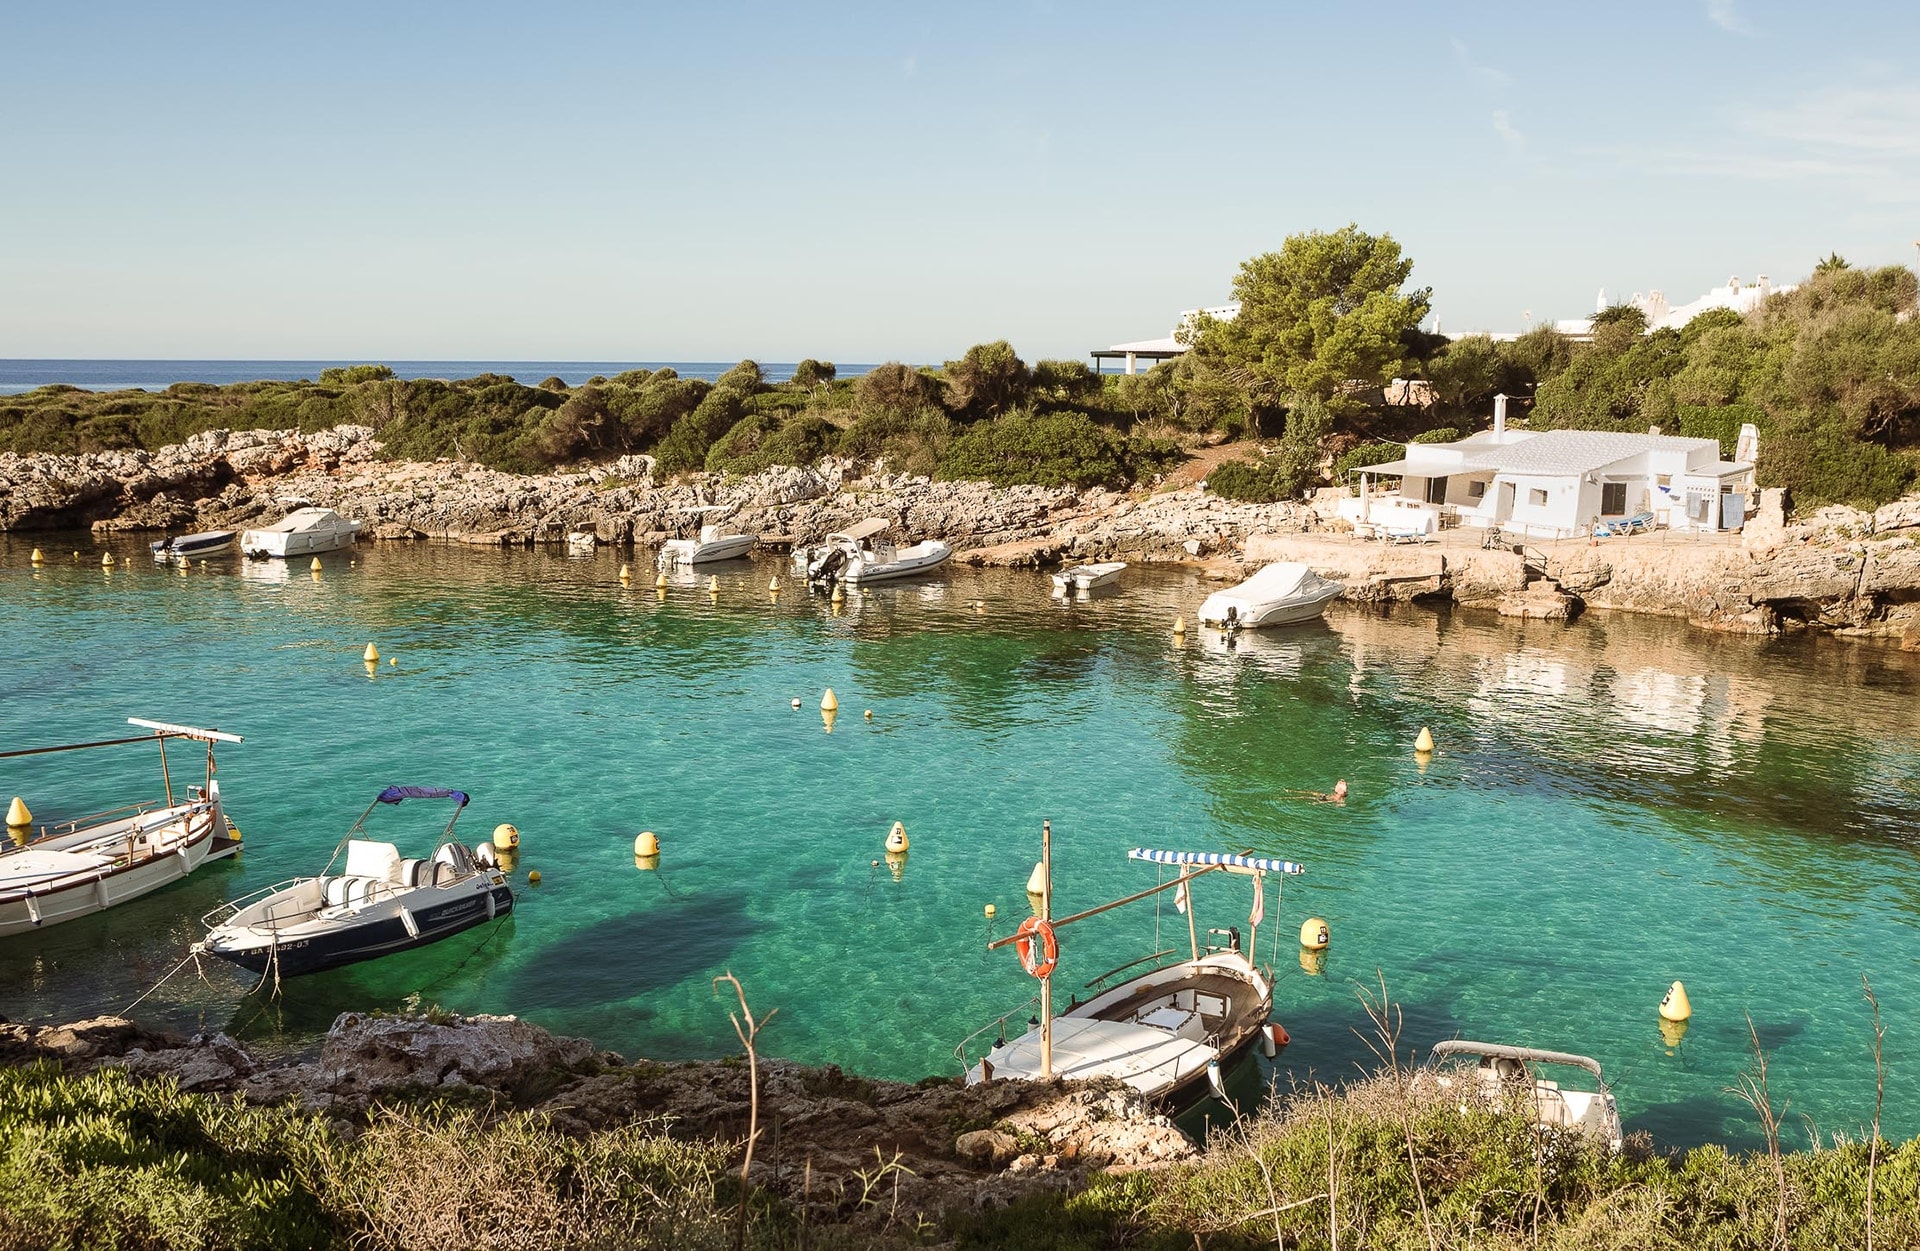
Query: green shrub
(1819, 463)
(1365, 454)
(687, 443)
(1263, 481)
(1445, 434)
(1055, 449)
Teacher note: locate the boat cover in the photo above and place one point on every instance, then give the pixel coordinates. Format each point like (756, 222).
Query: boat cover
(1148, 1059)
(1277, 581)
(394, 794)
(1214, 857)
(861, 530)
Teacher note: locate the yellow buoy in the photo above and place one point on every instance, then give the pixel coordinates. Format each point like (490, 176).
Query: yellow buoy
(17, 813)
(625, 573)
(829, 702)
(990, 910)
(646, 864)
(713, 584)
(774, 584)
(505, 837)
(533, 877)
(371, 655)
(897, 839)
(39, 557)
(1675, 1006)
(1037, 880)
(868, 714)
(839, 595)
(1425, 741)
(106, 560)
(506, 858)
(660, 580)
(316, 566)
(896, 863)
(1314, 934)
(828, 716)
(393, 660)
(1179, 625)
(184, 566)
(1312, 963)
(647, 844)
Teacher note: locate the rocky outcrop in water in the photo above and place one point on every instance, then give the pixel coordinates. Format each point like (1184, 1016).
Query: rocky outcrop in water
(821, 1128)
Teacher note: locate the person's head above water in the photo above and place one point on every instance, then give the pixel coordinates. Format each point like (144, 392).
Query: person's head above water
(1340, 789)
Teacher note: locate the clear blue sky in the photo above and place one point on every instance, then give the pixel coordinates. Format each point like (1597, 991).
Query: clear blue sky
(573, 181)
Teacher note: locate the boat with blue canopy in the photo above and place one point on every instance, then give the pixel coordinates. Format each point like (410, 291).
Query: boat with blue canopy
(1173, 1023)
(378, 903)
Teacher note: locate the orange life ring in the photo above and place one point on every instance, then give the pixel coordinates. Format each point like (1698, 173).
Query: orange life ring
(1050, 947)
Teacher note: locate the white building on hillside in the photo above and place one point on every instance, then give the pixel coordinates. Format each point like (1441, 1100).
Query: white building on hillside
(1735, 297)
(1161, 349)
(1554, 483)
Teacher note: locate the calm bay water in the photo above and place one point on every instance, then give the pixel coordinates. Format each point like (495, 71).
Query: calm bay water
(1613, 805)
(17, 375)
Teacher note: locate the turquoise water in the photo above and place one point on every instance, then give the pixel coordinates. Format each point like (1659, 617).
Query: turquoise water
(1613, 805)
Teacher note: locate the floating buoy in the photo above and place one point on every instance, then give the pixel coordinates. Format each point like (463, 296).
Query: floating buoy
(203, 562)
(990, 909)
(897, 839)
(393, 660)
(660, 580)
(1216, 1081)
(1674, 1006)
(1312, 963)
(839, 595)
(353, 564)
(1273, 1036)
(17, 813)
(1314, 934)
(828, 716)
(1037, 880)
(1671, 1032)
(372, 655)
(38, 557)
(1179, 625)
(713, 585)
(184, 568)
(626, 574)
(646, 864)
(829, 702)
(647, 844)
(774, 584)
(896, 863)
(505, 837)
(868, 714)
(106, 560)
(316, 566)
(796, 703)
(1425, 741)
(533, 877)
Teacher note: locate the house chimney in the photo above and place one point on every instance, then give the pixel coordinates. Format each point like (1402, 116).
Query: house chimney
(1499, 418)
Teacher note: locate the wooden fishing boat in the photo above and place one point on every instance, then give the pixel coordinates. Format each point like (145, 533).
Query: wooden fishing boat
(70, 869)
(1172, 1031)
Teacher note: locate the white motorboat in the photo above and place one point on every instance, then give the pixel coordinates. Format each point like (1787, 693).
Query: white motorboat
(1281, 594)
(858, 555)
(72, 869)
(302, 532)
(1086, 577)
(1172, 1032)
(377, 905)
(1504, 1073)
(193, 546)
(713, 542)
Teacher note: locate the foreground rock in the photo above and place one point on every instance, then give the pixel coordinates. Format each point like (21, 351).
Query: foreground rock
(939, 1143)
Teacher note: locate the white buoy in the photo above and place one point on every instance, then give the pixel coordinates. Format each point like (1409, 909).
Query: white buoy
(829, 702)
(1425, 742)
(372, 656)
(1037, 880)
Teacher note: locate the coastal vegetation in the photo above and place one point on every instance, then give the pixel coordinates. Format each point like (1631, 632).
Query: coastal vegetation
(106, 1160)
(1325, 365)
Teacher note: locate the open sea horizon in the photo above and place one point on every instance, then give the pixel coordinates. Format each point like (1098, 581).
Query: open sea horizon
(19, 375)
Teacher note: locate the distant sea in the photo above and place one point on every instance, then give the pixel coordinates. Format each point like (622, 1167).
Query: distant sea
(120, 375)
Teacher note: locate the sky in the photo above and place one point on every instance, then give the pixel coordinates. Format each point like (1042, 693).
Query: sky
(863, 182)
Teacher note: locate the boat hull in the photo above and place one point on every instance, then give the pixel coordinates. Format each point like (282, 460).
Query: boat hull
(82, 895)
(904, 566)
(371, 939)
(309, 537)
(694, 552)
(1281, 613)
(195, 546)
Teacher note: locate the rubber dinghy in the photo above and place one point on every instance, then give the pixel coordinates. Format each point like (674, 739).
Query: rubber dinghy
(378, 905)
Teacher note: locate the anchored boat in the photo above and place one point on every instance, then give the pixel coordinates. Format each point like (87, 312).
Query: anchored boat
(378, 904)
(712, 544)
(1086, 577)
(1501, 1072)
(302, 532)
(1280, 594)
(858, 555)
(58, 872)
(193, 546)
(1171, 1032)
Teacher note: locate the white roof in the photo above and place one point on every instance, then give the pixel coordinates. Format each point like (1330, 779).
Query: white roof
(1147, 1059)
(300, 519)
(862, 529)
(1547, 452)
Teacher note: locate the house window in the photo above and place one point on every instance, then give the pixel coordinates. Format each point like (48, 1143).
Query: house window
(1436, 490)
(1537, 496)
(1476, 490)
(1613, 499)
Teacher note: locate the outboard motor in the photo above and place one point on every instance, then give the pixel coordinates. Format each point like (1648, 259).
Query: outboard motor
(828, 564)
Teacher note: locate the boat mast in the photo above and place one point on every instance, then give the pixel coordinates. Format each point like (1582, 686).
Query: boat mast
(1046, 983)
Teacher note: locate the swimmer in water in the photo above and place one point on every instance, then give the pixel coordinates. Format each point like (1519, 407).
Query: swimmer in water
(1338, 795)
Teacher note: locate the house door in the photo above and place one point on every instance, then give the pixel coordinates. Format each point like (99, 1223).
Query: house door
(1505, 508)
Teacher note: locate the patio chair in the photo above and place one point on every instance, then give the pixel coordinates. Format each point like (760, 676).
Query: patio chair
(1639, 523)
(1407, 534)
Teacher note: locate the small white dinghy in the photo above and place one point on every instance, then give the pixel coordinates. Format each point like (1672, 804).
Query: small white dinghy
(302, 532)
(1503, 1072)
(1086, 577)
(377, 905)
(87, 865)
(193, 546)
(858, 555)
(1283, 593)
(713, 543)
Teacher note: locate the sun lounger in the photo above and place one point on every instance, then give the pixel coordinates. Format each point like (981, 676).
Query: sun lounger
(1639, 523)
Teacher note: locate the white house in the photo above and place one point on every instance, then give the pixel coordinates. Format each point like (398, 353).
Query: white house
(1166, 349)
(1554, 483)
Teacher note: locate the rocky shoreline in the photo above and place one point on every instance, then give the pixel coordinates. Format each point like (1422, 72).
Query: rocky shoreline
(960, 1146)
(1842, 570)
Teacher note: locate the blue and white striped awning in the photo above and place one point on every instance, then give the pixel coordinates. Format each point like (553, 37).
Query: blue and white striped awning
(1215, 857)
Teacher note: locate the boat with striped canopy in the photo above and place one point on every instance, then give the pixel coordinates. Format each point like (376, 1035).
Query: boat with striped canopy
(1172, 1026)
